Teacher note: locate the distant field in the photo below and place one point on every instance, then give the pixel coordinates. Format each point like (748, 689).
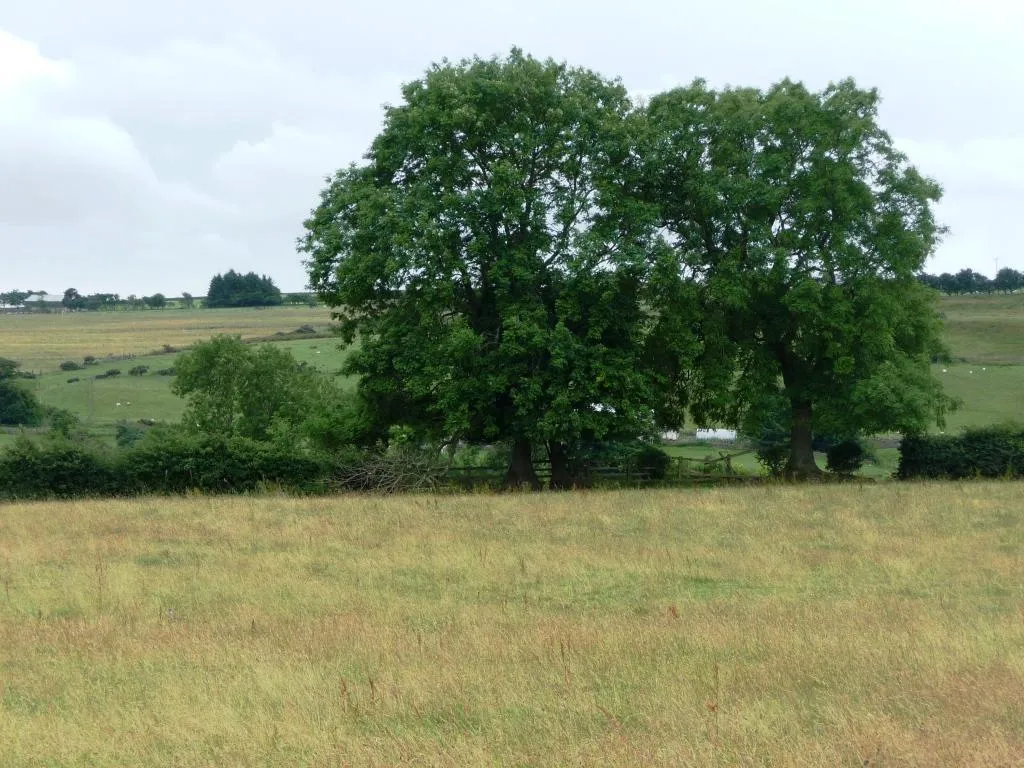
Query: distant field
(988, 330)
(100, 404)
(41, 342)
(814, 626)
(985, 329)
(991, 393)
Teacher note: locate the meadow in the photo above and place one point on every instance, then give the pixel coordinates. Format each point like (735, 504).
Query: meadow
(985, 335)
(985, 329)
(40, 342)
(871, 625)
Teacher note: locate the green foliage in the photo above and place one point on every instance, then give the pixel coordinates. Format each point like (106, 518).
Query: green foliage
(262, 393)
(18, 406)
(63, 423)
(988, 452)
(175, 461)
(846, 457)
(127, 435)
(139, 370)
(629, 455)
(233, 289)
(807, 229)
(13, 298)
(161, 461)
(56, 468)
(501, 278)
(70, 365)
(156, 301)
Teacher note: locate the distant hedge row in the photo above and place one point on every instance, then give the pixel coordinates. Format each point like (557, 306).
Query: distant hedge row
(987, 452)
(174, 464)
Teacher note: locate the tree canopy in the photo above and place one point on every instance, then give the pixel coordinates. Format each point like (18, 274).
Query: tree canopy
(498, 269)
(233, 289)
(804, 229)
(526, 256)
(263, 393)
(18, 406)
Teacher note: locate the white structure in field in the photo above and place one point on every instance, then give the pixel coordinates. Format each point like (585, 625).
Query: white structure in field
(725, 435)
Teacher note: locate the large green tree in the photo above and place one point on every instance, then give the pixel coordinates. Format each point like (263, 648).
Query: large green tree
(496, 266)
(802, 227)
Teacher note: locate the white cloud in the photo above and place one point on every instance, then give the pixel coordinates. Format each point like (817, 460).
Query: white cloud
(144, 146)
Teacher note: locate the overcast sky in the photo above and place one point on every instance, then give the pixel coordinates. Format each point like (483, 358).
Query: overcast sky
(145, 146)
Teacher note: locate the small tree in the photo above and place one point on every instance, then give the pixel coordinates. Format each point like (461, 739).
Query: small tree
(18, 406)
(260, 393)
(187, 300)
(156, 301)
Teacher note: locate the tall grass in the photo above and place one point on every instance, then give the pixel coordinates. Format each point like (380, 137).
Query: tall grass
(847, 626)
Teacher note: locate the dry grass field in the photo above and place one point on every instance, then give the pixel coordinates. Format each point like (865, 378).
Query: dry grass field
(878, 625)
(41, 342)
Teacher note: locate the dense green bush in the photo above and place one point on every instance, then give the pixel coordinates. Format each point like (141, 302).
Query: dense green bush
(627, 456)
(845, 457)
(70, 365)
(127, 435)
(987, 452)
(162, 461)
(172, 461)
(55, 468)
(139, 370)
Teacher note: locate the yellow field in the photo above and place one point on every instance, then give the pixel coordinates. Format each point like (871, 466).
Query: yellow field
(819, 626)
(42, 342)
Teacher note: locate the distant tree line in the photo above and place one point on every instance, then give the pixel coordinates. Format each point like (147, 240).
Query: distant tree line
(967, 281)
(228, 290)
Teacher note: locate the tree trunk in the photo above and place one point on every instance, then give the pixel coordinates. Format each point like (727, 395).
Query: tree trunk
(561, 473)
(520, 470)
(801, 464)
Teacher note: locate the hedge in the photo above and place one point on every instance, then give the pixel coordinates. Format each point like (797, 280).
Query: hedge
(986, 452)
(171, 463)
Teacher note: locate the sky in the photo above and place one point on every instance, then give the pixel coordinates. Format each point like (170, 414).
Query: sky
(145, 147)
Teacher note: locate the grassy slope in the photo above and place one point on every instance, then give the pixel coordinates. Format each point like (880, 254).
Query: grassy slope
(986, 331)
(42, 342)
(841, 626)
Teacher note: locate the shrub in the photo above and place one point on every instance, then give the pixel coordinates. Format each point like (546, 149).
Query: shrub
(170, 460)
(139, 370)
(89, 360)
(73, 379)
(18, 406)
(126, 435)
(845, 458)
(167, 372)
(304, 329)
(70, 365)
(652, 460)
(112, 372)
(54, 469)
(62, 422)
(986, 452)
